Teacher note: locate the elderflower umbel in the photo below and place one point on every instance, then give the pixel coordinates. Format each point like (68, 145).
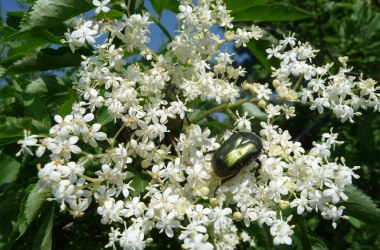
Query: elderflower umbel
(130, 125)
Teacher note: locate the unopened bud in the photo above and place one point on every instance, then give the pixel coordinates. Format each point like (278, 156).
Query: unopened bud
(262, 104)
(214, 202)
(237, 216)
(283, 204)
(229, 35)
(276, 83)
(204, 191)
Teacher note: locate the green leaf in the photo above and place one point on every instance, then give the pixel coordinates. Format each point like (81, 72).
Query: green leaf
(139, 182)
(14, 127)
(271, 12)
(305, 238)
(239, 5)
(9, 209)
(258, 50)
(252, 110)
(30, 207)
(48, 59)
(28, 43)
(9, 169)
(44, 236)
(37, 86)
(103, 117)
(35, 107)
(159, 5)
(172, 5)
(67, 107)
(50, 13)
(111, 14)
(361, 206)
(216, 127)
(14, 18)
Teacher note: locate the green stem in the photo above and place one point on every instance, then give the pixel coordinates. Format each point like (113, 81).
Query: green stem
(128, 7)
(117, 134)
(298, 81)
(221, 107)
(232, 114)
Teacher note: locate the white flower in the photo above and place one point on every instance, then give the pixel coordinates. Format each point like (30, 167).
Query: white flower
(83, 33)
(220, 217)
(29, 140)
(135, 207)
(101, 6)
(132, 238)
(242, 123)
(65, 147)
(197, 243)
(333, 213)
(178, 107)
(92, 135)
(111, 211)
(281, 231)
(167, 222)
(335, 193)
(272, 110)
(301, 203)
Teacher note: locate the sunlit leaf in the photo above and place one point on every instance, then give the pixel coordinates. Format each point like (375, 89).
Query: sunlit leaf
(49, 13)
(30, 207)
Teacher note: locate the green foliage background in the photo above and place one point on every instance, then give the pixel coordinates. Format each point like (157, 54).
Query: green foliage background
(37, 73)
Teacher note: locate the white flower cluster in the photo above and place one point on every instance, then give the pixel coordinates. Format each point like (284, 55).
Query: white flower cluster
(342, 92)
(145, 100)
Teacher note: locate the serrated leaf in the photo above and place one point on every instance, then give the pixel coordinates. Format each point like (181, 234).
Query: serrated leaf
(305, 237)
(35, 108)
(48, 59)
(13, 18)
(9, 169)
(26, 43)
(271, 12)
(30, 207)
(12, 128)
(67, 107)
(37, 86)
(159, 5)
(103, 116)
(361, 206)
(49, 13)
(43, 239)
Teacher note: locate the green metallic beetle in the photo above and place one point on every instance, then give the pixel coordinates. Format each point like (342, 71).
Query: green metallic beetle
(236, 153)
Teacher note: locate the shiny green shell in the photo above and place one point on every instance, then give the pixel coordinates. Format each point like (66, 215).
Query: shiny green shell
(236, 153)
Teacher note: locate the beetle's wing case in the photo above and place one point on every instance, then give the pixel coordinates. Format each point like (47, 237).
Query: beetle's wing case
(235, 153)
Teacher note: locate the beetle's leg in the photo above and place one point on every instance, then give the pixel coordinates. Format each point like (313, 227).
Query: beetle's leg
(210, 152)
(225, 180)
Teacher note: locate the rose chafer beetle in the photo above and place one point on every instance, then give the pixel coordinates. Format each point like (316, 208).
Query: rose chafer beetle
(235, 153)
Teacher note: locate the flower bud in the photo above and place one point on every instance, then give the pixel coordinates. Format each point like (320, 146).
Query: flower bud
(214, 202)
(283, 204)
(262, 104)
(237, 216)
(204, 191)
